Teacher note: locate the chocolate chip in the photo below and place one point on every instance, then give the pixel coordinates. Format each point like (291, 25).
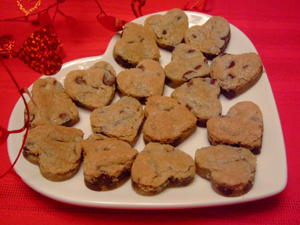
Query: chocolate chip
(164, 32)
(107, 182)
(225, 191)
(109, 79)
(142, 67)
(80, 80)
(191, 50)
(188, 75)
(26, 152)
(212, 81)
(64, 116)
(198, 67)
(232, 64)
(188, 107)
(230, 76)
(223, 54)
(225, 38)
(56, 83)
(229, 94)
(190, 83)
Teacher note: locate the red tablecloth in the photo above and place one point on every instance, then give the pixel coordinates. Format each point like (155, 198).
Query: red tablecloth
(273, 27)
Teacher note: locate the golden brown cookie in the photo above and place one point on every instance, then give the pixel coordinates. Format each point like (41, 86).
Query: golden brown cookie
(211, 38)
(146, 80)
(121, 120)
(167, 122)
(242, 126)
(231, 170)
(187, 62)
(136, 43)
(201, 97)
(55, 149)
(158, 167)
(236, 73)
(92, 88)
(51, 104)
(168, 29)
(107, 162)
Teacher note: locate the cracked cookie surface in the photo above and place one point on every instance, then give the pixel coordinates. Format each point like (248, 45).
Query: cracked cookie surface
(236, 73)
(55, 149)
(107, 162)
(168, 29)
(146, 80)
(93, 87)
(231, 170)
(136, 43)
(211, 38)
(121, 120)
(158, 167)
(200, 96)
(242, 126)
(167, 122)
(50, 104)
(187, 63)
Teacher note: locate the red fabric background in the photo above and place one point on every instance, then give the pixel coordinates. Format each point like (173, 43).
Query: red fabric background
(273, 27)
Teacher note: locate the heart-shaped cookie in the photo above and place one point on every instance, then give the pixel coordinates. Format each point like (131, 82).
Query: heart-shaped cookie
(201, 97)
(121, 120)
(146, 80)
(187, 62)
(136, 43)
(242, 126)
(167, 121)
(92, 88)
(236, 73)
(211, 38)
(107, 162)
(231, 170)
(160, 166)
(55, 149)
(168, 29)
(50, 104)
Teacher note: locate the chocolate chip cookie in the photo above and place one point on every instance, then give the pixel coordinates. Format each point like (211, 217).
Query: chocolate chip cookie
(107, 162)
(242, 126)
(121, 120)
(55, 149)
(231, 170)
(158, 167)
(236, 73)
(187, 62)
(167, 122)
(168, 29)
(146, 80)
(92, 88)
(50, 104)
(211, 38)
(200, 96)
(136, 43)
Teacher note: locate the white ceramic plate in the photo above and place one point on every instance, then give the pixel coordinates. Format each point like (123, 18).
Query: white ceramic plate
(271, 176)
